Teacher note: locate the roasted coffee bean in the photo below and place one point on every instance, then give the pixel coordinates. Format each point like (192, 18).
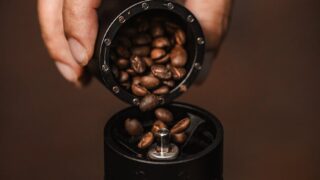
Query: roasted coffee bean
(148, 102)
(149, 81)
(131, 72)
(146, 141)
(142, 39)
(163, 60)
(157, 125)
(138, 65)
(157, 53)
(163, 114)
(171, 27)
(148, 61)
(123, 52)
(123, 76)
(136, 80)
(157, 30)
(178, 56)
(169, 83)
(161, 72)
(161, 90)
(180, 37)
(122, 63)
(161, 42)
(141, 51)
(183, 88)
(178, 73)
(181, 126)
(179, 138)
(133, 127)
(139, 90)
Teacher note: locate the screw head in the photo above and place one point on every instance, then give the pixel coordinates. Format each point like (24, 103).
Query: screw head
(116, 89)
(190, 18)
(197, 66)
(200, 40)
(170, 6)
(122, 19)
(145, 6)
(105, 68)
(107, 42)
(136, 101)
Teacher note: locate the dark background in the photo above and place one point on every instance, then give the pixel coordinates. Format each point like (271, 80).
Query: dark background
(264, 87)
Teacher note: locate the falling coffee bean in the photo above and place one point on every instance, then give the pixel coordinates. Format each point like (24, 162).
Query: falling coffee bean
(148, 102)
(137, 64)
(133, 127)
(181, 126)
(146, 141)
(164, 115)
(149, 81)
(179, 138)
(161, 90)
(139, 90)
(157, 53)
(157, 125)
(178, 56)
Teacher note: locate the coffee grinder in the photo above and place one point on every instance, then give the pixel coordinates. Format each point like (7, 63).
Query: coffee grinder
(200, 157)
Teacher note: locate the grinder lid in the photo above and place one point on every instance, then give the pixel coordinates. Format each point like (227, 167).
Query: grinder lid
(195, 46)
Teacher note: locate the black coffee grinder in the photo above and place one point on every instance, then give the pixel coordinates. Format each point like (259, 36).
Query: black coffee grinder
(200, 157)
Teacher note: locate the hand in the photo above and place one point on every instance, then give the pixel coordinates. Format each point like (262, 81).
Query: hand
(69, 29)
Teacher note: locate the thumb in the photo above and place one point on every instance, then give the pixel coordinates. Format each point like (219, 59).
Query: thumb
(81, 27)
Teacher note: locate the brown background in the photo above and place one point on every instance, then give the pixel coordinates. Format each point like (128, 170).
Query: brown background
(264, 87)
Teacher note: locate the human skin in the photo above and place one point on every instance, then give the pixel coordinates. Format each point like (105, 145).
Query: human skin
(69, 29)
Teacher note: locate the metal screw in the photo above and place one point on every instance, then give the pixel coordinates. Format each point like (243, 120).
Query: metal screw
(200, 40)
(190, 18)
(145, 6)
(197, 66)
(170, 6)
(122, 19)
(116, 89)
(136, 101)
(105, 68)
(107, 42)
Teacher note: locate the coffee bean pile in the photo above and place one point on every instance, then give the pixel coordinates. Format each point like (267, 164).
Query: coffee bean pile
(164, 119)
(149, 59)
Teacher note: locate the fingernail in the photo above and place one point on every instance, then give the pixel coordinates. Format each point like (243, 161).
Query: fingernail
(78, 51)
(67, 72)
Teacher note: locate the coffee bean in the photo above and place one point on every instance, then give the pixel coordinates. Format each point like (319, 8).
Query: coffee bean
(163, 60)
(142, 39)
(163, 114)
(183, 88)
(180, 37)
(178, 73)
(149, 81)
(179, 138)
(169, 83)
(157, 53)
(146, 141)
(161, 72)
(133, 127)
(139, 90)
(171, 27)
(157, 125)
(123, 76)
(123, 52)
(148, 102)
(157, 30)
(138, 65)
(141, 50)
(161, 42)
(131, 72)
(178, 56)
(181, 126)
(136, 80)
(161, 90)
(122, 63)
(148, 61)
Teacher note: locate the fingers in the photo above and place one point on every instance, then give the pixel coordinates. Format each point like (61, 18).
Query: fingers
(81, 27)
(51, 23)
(213, 16)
